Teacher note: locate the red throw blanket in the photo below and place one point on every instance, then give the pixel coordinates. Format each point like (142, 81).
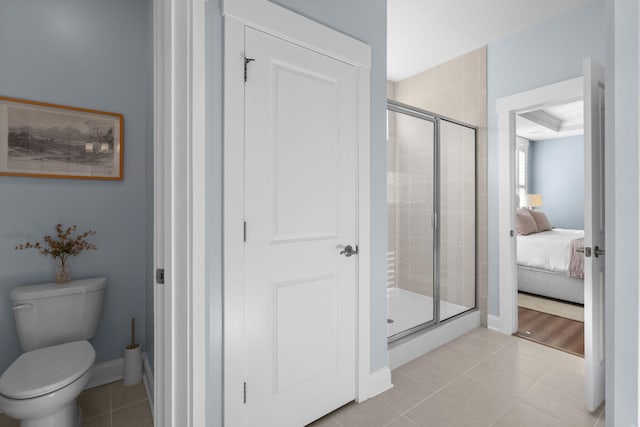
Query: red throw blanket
(576, 262)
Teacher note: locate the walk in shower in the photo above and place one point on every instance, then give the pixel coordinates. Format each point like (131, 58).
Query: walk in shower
(431, 196)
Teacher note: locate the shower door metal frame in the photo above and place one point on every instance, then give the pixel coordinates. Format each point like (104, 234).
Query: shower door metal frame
(436, 119)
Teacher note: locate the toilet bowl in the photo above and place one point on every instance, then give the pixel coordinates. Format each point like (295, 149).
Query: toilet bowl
(53, 323)
(40, 388)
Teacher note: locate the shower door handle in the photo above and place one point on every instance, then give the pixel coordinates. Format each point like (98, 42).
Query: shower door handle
(349, 251)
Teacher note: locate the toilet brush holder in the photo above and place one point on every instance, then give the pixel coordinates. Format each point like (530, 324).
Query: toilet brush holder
(132, 365)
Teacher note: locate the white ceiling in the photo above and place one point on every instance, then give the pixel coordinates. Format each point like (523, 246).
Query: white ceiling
(558, 121)
(424, 33)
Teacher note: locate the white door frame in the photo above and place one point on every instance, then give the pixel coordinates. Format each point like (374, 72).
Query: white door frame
(507, 108)
(179, 213)
(280, 22)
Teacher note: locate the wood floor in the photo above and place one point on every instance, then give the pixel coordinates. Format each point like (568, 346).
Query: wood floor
(554, 331)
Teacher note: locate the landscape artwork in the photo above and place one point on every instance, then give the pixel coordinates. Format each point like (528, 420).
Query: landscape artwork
(55, 141)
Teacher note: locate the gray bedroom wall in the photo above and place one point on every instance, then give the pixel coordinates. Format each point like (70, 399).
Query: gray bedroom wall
(557, 173)
(544, 54)
(94, 55)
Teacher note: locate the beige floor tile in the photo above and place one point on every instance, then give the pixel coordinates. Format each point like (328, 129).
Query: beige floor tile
(124, 395)
(95, 401)
(8, 422)
(478, 345)
(439, 411)
(455, 356)
(402, 422)
(558, 404)
(542, 351)
(101, 421)
(326, 421)
(136, 415)
(406, 392)
(486, 404)
(511, 357)
(507, 380)
(429, 372)
(522, 415)
(370, 413)
(492, 336)
(565, 378)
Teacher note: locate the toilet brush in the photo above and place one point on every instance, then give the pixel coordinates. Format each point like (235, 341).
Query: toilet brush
(133, 334)
(132, 359)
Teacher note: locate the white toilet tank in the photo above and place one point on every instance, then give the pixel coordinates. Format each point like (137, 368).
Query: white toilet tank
(51, 314)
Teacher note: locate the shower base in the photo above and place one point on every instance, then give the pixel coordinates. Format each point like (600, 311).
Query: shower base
(408, 309)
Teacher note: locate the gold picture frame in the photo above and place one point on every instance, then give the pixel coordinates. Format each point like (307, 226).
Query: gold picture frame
(39, 139)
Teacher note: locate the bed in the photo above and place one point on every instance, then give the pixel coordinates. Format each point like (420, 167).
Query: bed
(549, 266)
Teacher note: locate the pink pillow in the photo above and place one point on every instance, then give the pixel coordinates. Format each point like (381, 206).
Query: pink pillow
(525, 222)
(541, 220)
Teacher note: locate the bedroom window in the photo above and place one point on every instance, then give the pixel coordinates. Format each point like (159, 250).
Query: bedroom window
(522, 151)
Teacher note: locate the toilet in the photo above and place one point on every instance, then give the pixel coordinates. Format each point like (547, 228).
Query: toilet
(53, 323)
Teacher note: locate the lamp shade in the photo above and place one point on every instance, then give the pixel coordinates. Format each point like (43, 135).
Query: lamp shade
(533, 200)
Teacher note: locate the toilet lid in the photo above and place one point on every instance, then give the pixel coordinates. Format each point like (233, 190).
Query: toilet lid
(45, 370)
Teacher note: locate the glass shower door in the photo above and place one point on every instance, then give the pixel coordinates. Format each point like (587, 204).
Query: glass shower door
(410, 192)
(457, 228)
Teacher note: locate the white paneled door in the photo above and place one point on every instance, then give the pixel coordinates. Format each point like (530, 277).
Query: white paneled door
(594, 233)
(300, 210)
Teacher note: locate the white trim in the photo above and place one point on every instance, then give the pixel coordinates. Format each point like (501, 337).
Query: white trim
(422, 343)
(106, 373)
(493, 322)
(147, 378)
(180, 338)
(281, 22)
(379, 381)
(507, 107)
(289, 26)
(364, 388)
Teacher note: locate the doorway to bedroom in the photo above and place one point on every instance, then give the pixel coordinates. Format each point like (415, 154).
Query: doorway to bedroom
(549, 185)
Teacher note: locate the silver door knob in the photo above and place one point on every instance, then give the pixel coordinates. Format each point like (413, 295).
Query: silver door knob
(597, 252)
(349, 251)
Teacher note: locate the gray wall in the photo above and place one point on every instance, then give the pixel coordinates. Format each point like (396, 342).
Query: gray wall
(365, 20)
(544, 54)
(557, 172)
(622, 189)
(97, 55)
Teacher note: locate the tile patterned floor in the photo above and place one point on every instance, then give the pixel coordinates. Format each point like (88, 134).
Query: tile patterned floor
(110, 405)
(480, 379)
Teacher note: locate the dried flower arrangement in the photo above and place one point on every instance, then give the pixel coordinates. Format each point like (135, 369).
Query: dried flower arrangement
(63, 246)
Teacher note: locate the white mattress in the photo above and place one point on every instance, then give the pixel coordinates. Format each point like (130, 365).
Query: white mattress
(548, 250)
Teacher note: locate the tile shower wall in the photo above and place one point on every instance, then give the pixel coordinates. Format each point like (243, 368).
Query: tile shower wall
(411, 201)
(458, 89)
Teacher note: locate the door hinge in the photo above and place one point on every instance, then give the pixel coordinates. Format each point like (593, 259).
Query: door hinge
(246, 63)
(160, 276)
(245, 392)
(244, 231)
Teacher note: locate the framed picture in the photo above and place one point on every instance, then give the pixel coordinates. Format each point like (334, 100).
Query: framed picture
(56, 141)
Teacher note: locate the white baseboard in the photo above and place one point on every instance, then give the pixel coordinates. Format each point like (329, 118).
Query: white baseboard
(493, 322)
(147, 378)
(106, 372)
(113, 370)
(422, 343)
(379, 382)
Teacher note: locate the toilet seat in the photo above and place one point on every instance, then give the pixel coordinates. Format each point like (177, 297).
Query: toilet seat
(46, 370)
